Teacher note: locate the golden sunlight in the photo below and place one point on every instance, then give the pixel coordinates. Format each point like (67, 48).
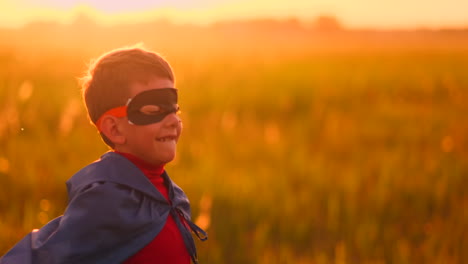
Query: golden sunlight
(356, 13)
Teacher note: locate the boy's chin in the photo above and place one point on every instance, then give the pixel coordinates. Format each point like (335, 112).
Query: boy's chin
(163, 160)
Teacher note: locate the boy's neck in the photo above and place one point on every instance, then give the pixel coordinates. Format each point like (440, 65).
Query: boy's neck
(143, 165)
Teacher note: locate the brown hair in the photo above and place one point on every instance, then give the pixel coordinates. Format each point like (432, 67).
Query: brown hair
(107, 82)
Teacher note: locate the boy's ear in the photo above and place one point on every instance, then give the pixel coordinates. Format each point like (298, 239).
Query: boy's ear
(111, 129)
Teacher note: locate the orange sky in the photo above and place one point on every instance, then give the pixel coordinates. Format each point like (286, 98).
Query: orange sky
(353, 13)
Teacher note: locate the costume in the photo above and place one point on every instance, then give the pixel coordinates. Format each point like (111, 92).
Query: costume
(168, 246)
(113, 212)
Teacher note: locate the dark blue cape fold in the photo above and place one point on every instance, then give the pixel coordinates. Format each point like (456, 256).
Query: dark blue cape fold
(113, 212)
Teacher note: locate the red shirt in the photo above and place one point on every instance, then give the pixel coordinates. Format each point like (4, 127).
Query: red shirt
(168, 246)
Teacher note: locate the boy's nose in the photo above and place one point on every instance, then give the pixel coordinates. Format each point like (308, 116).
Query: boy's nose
(172, 120)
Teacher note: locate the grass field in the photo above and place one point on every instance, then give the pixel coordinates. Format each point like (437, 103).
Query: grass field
(298, 146)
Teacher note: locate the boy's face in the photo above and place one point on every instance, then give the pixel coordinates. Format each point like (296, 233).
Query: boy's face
(155, 143)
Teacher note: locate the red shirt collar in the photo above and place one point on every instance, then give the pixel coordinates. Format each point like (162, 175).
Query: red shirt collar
(148, 169)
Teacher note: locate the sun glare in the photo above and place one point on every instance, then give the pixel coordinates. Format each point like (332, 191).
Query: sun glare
(354, 13)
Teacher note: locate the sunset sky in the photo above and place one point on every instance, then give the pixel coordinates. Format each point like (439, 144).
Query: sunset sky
(352, 13)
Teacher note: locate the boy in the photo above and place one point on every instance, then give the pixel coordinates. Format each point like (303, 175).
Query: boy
(123, 208)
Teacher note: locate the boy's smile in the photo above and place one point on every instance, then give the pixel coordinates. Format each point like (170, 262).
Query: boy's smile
(156, 142)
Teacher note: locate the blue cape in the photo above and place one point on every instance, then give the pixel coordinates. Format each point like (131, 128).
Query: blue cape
(113, 212)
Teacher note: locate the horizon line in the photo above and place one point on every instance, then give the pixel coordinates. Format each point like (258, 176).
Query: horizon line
(178, 16)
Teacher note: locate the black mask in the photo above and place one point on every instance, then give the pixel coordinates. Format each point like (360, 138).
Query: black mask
(152, 106)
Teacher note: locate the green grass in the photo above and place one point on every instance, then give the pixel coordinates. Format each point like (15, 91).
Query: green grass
(307, 155)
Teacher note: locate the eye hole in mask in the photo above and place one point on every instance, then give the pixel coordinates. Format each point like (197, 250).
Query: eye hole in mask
(151, 109)
(156, 110)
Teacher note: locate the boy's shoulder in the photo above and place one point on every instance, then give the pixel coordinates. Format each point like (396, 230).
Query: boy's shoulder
(119, 171)
(107, 165)
(111, 167)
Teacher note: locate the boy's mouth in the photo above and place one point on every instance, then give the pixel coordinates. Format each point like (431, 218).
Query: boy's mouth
(165, 139)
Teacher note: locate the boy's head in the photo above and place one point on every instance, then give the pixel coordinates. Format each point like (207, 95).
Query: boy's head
(130, 97)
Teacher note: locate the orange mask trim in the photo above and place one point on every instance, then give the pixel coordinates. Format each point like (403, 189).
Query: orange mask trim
(120, 111)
